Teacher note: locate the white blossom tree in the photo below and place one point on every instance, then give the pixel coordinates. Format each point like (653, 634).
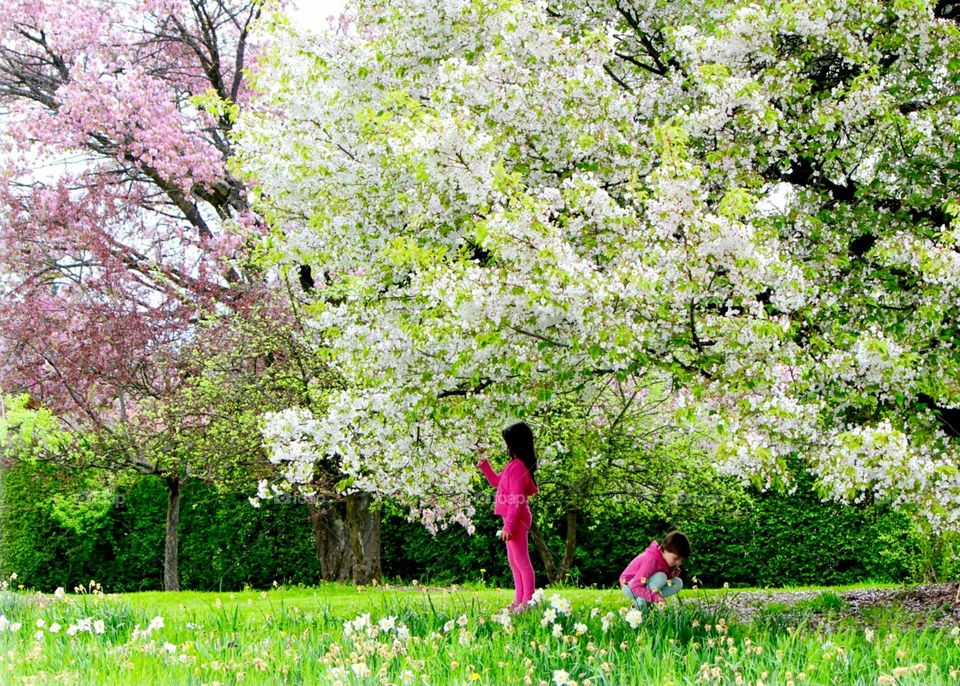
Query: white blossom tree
(745, 207)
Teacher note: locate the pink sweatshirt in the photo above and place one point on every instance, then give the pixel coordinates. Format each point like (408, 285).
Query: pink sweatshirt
(514, 488)
(642, 567)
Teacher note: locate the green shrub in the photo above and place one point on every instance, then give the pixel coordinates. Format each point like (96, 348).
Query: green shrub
(409, 551)
(32, 543)
(61, 528)
(58, 528)
(822, 603)
(229, 544)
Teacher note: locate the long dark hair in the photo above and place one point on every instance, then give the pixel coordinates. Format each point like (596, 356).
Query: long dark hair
(519, 438)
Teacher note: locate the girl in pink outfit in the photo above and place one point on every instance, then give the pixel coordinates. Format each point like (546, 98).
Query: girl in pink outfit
(654, 574)
(515, 484)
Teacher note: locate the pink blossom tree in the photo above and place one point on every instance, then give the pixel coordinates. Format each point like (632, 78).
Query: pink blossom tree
(123, 228)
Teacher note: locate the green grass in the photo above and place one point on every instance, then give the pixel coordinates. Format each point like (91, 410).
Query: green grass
(298, 636)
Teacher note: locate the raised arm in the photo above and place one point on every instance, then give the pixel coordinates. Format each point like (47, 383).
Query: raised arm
(493, 478)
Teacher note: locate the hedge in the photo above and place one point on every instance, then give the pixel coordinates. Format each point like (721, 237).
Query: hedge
(59, 528)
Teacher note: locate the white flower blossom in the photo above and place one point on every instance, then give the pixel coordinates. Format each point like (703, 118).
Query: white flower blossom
(561, 605)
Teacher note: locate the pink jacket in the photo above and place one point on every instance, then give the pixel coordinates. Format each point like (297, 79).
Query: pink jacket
(642, 567)
(514, 487)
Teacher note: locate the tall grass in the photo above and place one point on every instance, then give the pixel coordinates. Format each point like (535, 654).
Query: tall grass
(324, 636)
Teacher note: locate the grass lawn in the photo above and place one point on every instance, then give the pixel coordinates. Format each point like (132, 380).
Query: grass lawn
(346, 600)
(381, 635)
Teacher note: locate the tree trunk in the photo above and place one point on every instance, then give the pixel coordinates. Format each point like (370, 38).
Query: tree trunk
(363, 538)
(330, 536)
(557, 572)
(540, 544)
(570, 545)
(171, 576)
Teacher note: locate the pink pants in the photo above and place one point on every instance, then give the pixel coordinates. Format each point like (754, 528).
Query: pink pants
(518, 555)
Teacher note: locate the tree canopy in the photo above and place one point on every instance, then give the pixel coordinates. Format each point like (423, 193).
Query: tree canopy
(749, 206)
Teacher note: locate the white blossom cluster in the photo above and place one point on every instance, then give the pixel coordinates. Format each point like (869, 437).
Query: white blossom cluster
(507, 210)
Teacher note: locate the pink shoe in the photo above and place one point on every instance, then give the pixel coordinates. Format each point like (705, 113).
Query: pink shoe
(520, 608)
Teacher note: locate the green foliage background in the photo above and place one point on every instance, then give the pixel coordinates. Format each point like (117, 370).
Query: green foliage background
(61, 528)
(55, 532)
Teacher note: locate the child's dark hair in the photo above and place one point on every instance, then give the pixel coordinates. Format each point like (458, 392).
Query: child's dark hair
(519, 438)
(677, 543)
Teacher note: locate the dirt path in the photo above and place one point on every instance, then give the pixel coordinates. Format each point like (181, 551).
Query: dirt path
(931, 605)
